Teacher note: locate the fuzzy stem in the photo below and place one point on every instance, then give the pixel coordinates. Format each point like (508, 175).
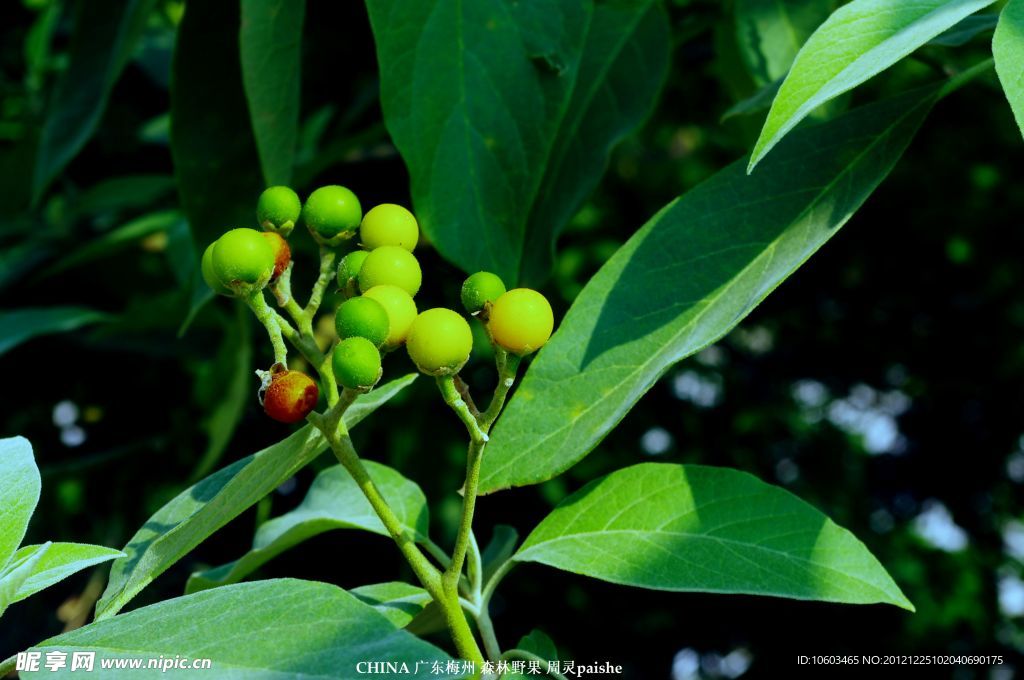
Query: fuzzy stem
(266, 316)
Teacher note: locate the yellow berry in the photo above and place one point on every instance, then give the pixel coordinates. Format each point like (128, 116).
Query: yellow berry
(439, 342)
(401, 312)
(521, 321)
(389, 225)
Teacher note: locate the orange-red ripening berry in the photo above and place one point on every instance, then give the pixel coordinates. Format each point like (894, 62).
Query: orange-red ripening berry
(290, 396)
(282, 253)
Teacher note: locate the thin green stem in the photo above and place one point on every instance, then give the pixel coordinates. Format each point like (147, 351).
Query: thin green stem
(437, 552)
(282, 290)
(450, 392)
(530, 656)
(508, 366)
(474, 566)
(495, 579)
(266, 316)
(327, 274)
(486, 628)
(462, 539)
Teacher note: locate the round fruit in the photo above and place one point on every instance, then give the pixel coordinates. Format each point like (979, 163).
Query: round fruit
(439, 341)
(401, 312)
(206, 266)
(389, 225)
(356, 363)
(362, 317)
(278, 209)
(521, 321)
(332, 214)
(242, 257)
(348, 268)
(479, 289)
(282, 253)
(391, 266)
(290, 396)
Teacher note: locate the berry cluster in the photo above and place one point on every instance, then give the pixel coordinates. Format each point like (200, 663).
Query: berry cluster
(379, 280)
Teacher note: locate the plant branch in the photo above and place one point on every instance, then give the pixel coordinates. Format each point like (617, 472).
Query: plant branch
(450, 392)
(327, 274)
(266, 316)
(508, 366)
(486, 628)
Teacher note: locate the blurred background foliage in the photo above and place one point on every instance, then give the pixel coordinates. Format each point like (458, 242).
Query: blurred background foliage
(883, 383)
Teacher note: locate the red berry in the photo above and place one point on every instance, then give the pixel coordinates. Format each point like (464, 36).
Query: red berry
(282, 253)
(290, 396)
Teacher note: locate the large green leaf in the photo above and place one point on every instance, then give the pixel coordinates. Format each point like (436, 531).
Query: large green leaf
(270, 42)
(116, 240)
(771, 32)
(200, 510)
(19, 325)
(1008, 50)
(858, 41)
(505, 113)
(686, 278)
(50, 564)
(19, 493)
(706, 529)
(103, 40)
(398, 601)
(334, 501)
(269, 629)
(215, 160)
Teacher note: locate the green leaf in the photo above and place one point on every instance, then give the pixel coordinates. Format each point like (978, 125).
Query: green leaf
(19, 493)
(17, 573)
(130, 192)
(770, 33)
(502, 545)
(858, 41)
(52, 563)
(538, 643)
(686, 278)
(398, 601)
(317, 631)
(966, 30)
(20, 325)
(103, 40)
(706, 529)
(215, 160)
(1008, 50)
(270, 42)
(759, 101)
(334, 501)
(200, 510)
(505, 113)
(117, 239)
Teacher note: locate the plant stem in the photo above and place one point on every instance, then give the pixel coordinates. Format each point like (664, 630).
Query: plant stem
(530, 656)
(508, 366)
(453, 398)
(327, 274)
(266, 316)
(462, 539)
(483, 623)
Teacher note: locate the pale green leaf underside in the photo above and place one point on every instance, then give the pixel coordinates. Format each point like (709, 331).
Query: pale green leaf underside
(859, 40)
(200, 510)
(20, 325)
(397, 601)
(771, 32)
(706, 529)
(1008, 50)
(274, 630)
(334, 501)
(686, 278)
(54, 562)
(19, 493)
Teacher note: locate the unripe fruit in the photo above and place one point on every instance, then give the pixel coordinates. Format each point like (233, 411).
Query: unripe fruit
(362, 317)
(391, 266)
(356, 363)
(290, 396)
(349, 267)
(332, 214)
(479, 289)
(401, 312)
(282, 252)
(439, 341)
(242, 259)
(206, 266)
(278, 209)
(521, 321)
(389, 225)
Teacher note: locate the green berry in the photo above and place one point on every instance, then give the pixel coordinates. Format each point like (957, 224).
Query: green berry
(439, 341)
(349, 267)
(356, 363)
(389, 225)
(521, 321)
(332, 214)
(278, 209)
(391, 266)
(401, 311)
(362, 317)
(243, 260)
(479, 289)
(211, 279)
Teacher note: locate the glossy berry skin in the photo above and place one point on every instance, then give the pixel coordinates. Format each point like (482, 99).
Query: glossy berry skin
(211, 279)
(278, 209)
(401, 311)
(350, 266)
(479, 289)
(521, 321)
(332, 214)
(389, 225)
(242, 258)
(290, 397)
(439, 341)
(362, 317)
(391, 266)
(282, 252)
(356, 363)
